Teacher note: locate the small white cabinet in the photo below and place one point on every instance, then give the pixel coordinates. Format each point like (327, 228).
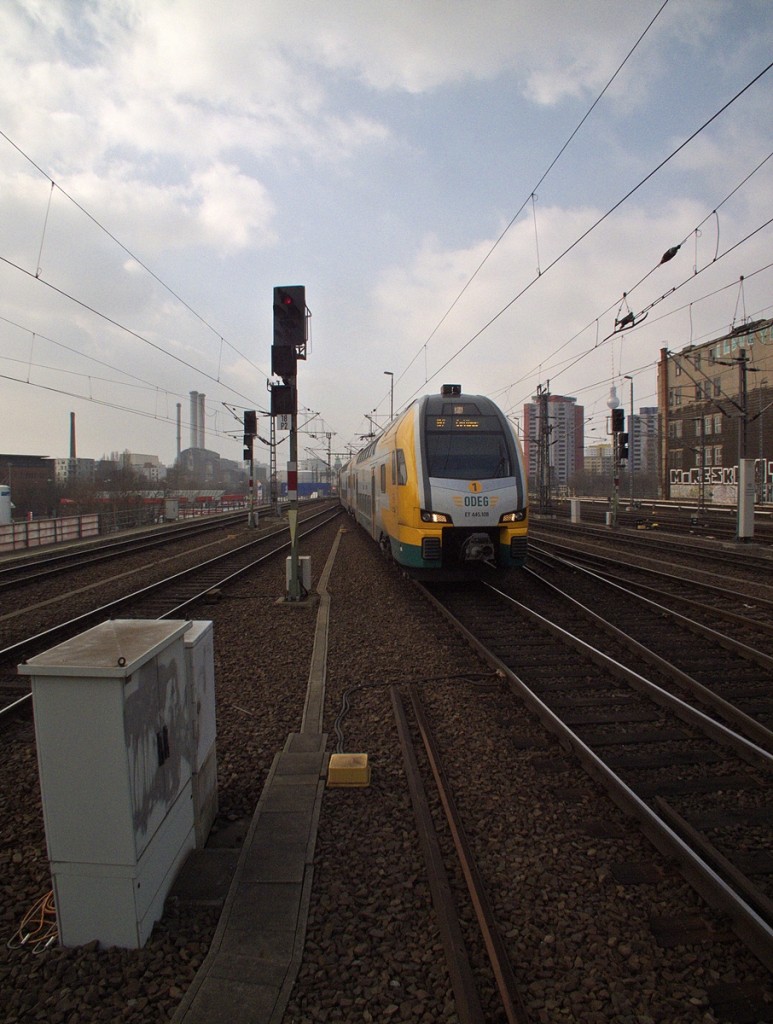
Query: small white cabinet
(116, 753)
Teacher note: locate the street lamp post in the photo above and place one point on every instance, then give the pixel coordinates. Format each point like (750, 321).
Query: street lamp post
(388, 373)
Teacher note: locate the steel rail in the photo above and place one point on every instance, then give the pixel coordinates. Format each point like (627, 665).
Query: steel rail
(753, 753)
(746, 922)
(711, 588)
(504, 976)
(23, 572)
(753, 729)
(468, 1005)
(67, 628)
(541, 554)
(635, 539)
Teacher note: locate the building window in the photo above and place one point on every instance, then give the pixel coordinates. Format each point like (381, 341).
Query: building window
(697, 360)
(717, 387)
(675, 458)
(718, 423)
(707, 456)
(698, 421)
(678, 369)
(717, 454)
(707, 424)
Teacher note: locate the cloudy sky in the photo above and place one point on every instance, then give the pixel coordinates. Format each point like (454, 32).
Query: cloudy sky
(470, 192)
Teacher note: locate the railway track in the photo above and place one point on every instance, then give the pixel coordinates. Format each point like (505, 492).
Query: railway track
(711, 562)
(711, 598)
(573, 885)
(462, 975)
(708, 553)
(721, 659)
(167, 597)
(700, 791)
(36, 567)
(719, 522)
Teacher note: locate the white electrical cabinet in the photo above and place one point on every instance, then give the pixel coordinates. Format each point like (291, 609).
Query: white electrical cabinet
(115, 739)
(200, 666)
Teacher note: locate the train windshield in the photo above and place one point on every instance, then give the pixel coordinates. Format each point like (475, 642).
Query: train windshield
(467, 455)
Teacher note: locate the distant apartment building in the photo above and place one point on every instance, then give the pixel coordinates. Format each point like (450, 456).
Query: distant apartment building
(714, 401)
(147, 466)
(599, 459)
(563, 434)
(643, 439)
(70, 471)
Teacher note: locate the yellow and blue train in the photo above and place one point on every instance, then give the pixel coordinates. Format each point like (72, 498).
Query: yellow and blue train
(443, 489)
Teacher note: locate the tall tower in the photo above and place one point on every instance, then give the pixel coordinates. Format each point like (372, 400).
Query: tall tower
(201, 424)
(194, 419)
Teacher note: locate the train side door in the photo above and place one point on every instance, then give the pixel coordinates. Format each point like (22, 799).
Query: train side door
(373, 529)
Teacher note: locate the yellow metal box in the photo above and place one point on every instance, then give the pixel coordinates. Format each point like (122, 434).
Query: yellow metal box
(348, 770)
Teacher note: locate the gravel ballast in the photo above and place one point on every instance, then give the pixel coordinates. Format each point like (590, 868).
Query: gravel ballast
(549, 843)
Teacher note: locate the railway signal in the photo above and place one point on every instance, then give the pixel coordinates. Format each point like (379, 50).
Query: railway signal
(289, 329)
(250, 430)
(290, 335)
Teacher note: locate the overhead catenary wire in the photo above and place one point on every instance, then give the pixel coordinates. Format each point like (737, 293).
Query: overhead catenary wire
(573, 360)
(75, 351)
(689, 280)
(556, 370)
(672, 251)
(533, 191)
(129, 410)
(38, 277)
(123, 327)
(600, 220)
(120, 244)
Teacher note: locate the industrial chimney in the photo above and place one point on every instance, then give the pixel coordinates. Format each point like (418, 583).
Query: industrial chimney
(194, 419)
(202, 438)
(179, 428)
(72, 435)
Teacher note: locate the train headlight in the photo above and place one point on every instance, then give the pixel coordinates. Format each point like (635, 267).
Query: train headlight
(434, 517)
(513, 517)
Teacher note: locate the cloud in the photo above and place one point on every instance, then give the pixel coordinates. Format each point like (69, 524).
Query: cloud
(233, 209)
(343, 143)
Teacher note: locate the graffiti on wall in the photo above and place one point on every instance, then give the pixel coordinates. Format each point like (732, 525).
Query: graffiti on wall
(717, 476)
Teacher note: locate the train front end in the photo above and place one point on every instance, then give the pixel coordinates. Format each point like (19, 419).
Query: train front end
(472, 500)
